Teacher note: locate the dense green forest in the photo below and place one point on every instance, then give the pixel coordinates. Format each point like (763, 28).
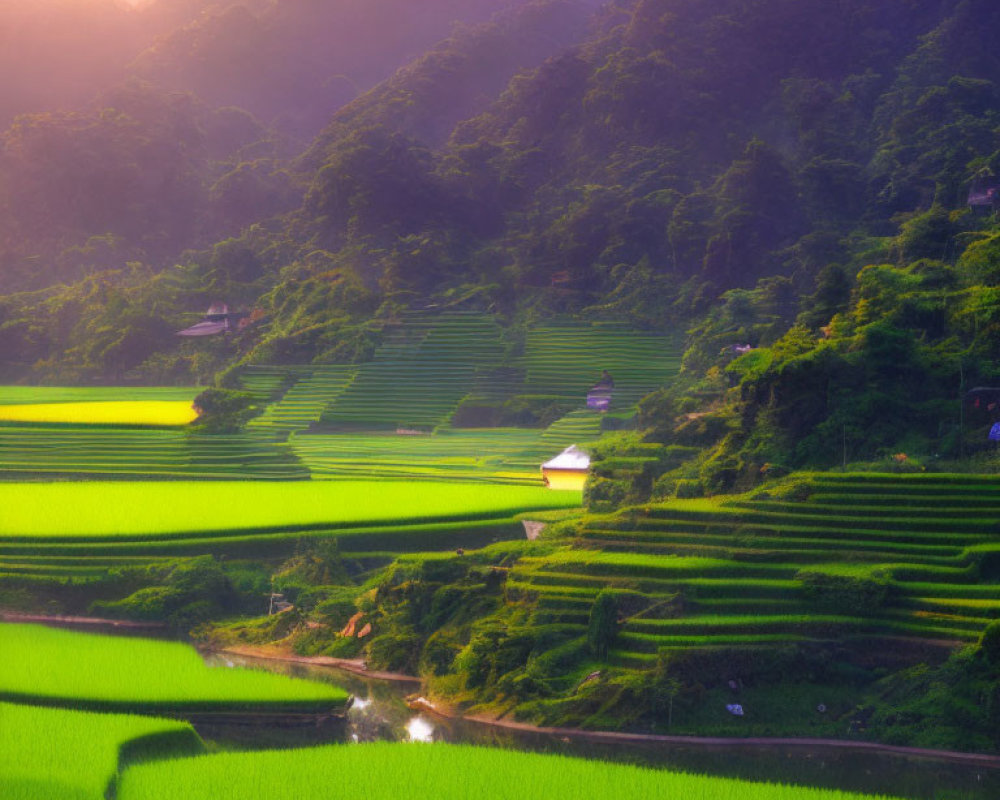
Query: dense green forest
(788, 176)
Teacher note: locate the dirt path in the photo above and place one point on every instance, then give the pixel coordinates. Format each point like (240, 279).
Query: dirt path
(352, 665)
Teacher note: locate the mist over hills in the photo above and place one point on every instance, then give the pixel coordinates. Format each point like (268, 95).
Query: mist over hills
(181, 126)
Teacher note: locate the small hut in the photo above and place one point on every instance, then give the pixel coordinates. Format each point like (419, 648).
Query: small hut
(218, 319)
(984, 195)
(568, 470)
(599, 396)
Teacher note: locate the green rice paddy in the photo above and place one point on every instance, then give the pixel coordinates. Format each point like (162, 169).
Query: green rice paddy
(95, 452)
(446, 772)
(55, 754)
(27, 395)
(46, 666)
(116, 510)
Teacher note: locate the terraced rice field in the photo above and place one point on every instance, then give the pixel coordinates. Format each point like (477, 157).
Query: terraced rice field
(75, 532)
(177, 509)
(304, 403)
(565, 360)
(268, 382)
(734, 572)
(129, 453)
(51, 667)
(165, 413)
(493, 455)
(419, 374)
(51, 753)
(127, 433)
(448, 772)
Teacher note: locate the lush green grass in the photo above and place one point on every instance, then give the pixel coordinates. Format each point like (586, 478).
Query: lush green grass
(47, 666)
(104, 510)
(445, 772)
(24, 395)
(129, 412)
(55, 754)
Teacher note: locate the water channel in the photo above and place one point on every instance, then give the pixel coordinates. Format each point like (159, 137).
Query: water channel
(380, 713)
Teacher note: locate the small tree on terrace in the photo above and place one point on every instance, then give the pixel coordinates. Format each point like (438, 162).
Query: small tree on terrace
(603, 627)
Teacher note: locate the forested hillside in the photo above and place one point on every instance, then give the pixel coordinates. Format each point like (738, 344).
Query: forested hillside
(784, 175)
(134, 134)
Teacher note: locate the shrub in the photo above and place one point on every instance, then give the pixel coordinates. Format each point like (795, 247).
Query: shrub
(687, 489)
(439, 654)
(224, 411)
(861, 591)
(603, 494)
(989, 644)
(602, 629)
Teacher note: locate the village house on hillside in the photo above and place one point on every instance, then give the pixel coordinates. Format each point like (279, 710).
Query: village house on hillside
(984, 195)
(568, 470)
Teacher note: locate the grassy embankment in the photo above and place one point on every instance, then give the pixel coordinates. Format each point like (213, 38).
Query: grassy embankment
(412, 772)
(51, 667)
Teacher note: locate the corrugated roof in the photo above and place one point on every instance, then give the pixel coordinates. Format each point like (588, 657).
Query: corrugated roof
(570, 458)
(205, 329)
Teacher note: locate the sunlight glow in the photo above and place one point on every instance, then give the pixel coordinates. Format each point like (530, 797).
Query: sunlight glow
(420, 730)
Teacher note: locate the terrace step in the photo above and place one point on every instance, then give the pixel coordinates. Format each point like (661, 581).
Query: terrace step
(110, 452)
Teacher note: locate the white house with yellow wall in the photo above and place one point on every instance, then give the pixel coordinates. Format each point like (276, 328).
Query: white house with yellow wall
(568, 470)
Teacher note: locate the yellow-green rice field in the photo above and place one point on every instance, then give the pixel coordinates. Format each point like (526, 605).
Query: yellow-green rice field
(128, 412)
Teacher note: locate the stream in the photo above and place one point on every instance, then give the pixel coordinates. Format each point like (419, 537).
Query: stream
(380, 713)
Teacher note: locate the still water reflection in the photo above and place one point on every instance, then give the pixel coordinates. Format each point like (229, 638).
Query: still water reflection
(380, 713)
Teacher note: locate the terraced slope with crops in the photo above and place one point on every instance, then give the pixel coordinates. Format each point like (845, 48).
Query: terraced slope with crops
(563, 361)
(304, 403)
(92, 451)
(827, 556)
(428, 366)
(420, 373)
(75, 534)
(492, 455)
